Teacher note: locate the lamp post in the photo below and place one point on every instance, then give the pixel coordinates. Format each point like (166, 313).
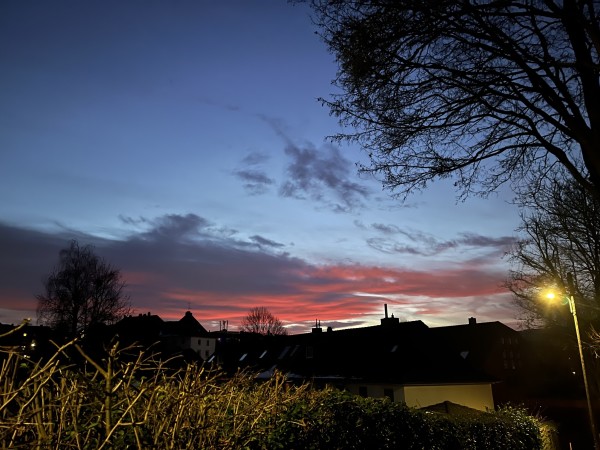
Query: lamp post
(573, 309)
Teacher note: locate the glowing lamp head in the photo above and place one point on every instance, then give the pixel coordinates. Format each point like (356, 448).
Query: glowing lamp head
(553, 297)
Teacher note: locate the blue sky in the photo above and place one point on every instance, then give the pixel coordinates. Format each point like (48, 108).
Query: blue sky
(184, 140)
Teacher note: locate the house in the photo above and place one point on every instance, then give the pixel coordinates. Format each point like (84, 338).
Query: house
(188, 334)
(492, 348)
(401, 361)
(150, 331)
(143, 329)
(537, 369)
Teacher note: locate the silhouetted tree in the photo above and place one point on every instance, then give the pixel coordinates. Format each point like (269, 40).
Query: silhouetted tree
(561, 226)
(260, 320)
(483, 91)
(562, 237)
(81, 291)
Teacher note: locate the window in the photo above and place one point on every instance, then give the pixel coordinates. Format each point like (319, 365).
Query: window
(389, 393)
(199, 341)
(362, 391)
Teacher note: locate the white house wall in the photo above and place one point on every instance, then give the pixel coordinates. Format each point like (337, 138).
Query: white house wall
(204, 346)
(477, 396)
(377, 391)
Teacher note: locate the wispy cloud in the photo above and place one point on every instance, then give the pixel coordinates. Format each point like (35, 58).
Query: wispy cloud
(253, 175)
(323, 175)
(415, 242)
(266, 242)
(175, 227)
(320, 174)
(386, 229)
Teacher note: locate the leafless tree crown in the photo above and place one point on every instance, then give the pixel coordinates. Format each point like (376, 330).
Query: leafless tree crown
(81, 291)
(483, 91)
(260, 320)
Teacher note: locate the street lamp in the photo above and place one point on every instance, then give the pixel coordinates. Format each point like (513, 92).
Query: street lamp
(573, 309)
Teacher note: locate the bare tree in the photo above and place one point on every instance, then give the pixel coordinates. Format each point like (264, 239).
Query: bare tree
(562, 236)
(81, 291)
(260, 320)
(482, 91)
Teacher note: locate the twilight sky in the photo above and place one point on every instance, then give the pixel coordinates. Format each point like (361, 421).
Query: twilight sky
(184, 140)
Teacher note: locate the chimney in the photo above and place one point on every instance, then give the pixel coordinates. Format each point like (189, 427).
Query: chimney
(317, 328)
(389, 321)
(472, 321)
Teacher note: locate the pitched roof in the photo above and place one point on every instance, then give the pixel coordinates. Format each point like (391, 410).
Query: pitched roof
(476, 341)
(188, 325)
(404, 353)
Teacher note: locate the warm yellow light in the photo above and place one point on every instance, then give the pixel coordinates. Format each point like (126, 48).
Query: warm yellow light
(554, 296)
(550, 296)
